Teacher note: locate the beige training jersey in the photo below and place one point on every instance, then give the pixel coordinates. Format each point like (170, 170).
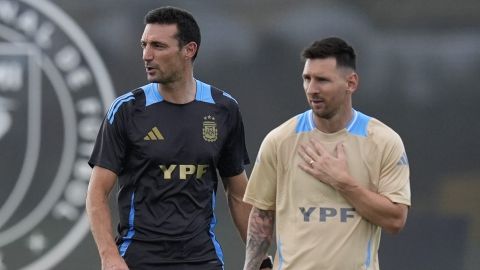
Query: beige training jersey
(316, 228)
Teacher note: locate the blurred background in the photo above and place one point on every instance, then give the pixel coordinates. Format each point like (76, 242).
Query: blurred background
(62, 63)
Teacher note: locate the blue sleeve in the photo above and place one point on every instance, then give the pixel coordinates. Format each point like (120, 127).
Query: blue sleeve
(110, 146)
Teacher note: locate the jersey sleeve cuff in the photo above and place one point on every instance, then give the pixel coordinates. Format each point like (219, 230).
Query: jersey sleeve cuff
(105, 166)
(398, 199)
(259, 204)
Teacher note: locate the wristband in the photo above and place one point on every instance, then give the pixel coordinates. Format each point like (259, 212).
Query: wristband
(267, 263)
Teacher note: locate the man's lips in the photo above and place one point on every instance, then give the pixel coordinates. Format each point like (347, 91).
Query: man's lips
(150, 69)
(317, 100)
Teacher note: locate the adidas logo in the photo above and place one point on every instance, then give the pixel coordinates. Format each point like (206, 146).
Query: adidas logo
(403, 160)
(154, 135)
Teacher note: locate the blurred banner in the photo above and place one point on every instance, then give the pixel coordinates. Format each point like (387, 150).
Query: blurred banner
(53, 91)
(62, 62)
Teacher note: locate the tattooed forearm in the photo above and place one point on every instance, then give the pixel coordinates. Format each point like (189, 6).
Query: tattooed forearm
(259, 237)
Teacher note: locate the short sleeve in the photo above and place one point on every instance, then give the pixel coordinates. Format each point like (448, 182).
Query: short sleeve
(262, 185)
(110, 147)
(395, 173)
(234, 153)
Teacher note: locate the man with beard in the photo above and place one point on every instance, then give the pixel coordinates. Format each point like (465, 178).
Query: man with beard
(165, 142)
(329, 179)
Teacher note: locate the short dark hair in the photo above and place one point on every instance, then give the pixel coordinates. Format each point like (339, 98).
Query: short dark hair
(331, 47)
(188, 29)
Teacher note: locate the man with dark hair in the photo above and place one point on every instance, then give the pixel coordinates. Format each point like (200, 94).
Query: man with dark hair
(332, 47)
(165, 142)
(330, 179)
(188, 29)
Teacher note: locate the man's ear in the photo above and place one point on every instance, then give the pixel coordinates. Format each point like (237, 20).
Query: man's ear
(190, 49)
(352, 82)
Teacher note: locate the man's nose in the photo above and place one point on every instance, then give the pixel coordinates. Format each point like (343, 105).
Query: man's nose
(147, 54)
(310, 88)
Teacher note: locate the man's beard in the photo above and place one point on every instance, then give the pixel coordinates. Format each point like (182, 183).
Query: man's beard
(325, 114)
(171, 78)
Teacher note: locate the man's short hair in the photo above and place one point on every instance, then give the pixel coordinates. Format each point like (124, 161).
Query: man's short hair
(188, 29)
(331, 47)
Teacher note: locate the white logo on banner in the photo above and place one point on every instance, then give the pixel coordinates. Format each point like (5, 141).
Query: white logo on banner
(54, 89)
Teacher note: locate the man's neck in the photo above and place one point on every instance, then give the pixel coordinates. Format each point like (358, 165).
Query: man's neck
(336, 123)
(179, 92)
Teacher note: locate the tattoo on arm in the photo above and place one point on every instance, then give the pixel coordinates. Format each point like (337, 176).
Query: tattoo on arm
(259, 237)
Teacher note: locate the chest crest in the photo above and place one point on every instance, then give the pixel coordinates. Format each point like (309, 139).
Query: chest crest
(209, 130)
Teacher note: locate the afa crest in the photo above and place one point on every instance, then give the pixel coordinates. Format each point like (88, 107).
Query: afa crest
(210, 132)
